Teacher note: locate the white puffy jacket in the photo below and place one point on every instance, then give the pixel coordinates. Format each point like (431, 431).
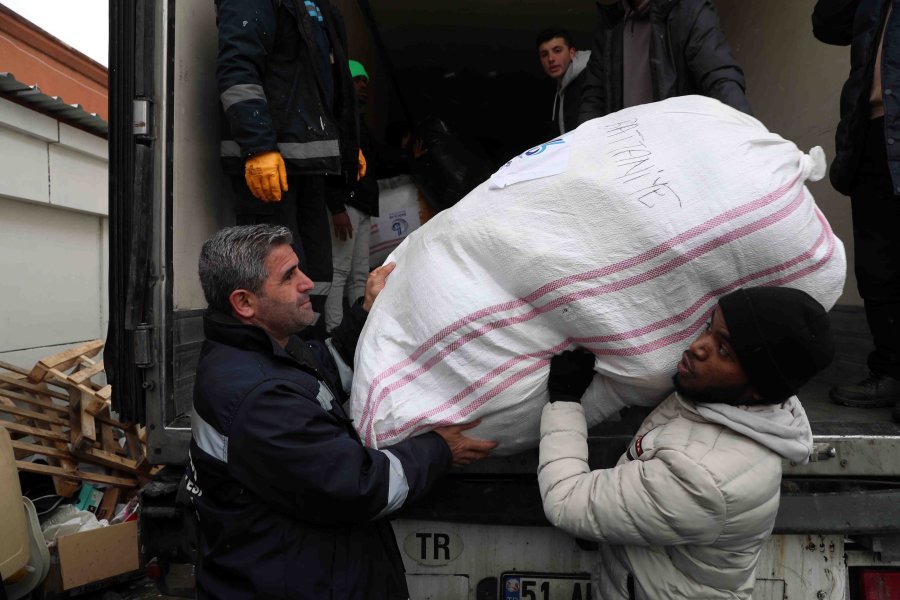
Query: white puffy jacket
(688, 506)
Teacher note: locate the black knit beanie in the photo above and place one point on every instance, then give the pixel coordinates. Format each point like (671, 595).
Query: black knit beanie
(781, 335)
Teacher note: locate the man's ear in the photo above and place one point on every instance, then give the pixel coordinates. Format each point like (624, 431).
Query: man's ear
(572, 52)
(243, 303)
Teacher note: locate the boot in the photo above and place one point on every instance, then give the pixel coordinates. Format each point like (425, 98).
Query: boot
(875, 391)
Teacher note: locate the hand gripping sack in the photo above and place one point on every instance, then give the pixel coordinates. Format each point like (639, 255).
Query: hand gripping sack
(617, 237)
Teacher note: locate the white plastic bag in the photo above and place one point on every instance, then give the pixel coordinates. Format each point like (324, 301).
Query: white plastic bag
(398, 216)
(67, 520)
(617, 237)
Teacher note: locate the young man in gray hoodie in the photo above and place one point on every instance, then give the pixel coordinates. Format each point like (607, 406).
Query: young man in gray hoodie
(565, 65)
(687, 508)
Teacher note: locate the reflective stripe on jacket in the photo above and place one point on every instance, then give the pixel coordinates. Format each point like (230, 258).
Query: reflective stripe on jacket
(271, 88)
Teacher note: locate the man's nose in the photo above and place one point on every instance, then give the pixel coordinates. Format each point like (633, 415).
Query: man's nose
(699, 347)
(304, 283)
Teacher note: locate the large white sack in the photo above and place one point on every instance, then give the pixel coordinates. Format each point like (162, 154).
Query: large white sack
(618, 237)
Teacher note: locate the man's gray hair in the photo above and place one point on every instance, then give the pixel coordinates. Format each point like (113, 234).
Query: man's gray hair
(234, 259)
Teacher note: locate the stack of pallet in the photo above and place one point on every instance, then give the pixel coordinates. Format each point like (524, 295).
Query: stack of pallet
(56, 410)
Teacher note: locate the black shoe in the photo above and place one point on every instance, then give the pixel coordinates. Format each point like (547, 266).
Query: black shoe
(876, 391)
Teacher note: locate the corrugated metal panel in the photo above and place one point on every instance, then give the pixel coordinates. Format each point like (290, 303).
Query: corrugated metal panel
(53, 106)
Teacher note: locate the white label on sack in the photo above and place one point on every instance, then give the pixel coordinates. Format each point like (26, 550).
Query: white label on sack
(549, 158)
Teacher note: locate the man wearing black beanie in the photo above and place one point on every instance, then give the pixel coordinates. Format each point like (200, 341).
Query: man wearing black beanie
(687, 508)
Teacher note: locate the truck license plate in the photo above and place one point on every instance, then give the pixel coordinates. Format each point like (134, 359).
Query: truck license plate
(545, 586)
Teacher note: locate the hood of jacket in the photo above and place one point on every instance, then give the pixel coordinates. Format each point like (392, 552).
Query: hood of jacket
(783, 428)
(577, 65)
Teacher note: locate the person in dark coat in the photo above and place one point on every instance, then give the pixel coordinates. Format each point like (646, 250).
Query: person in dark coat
(290, 503)
(289, 135)
(867, 168)
(649, 50)
(350, 238)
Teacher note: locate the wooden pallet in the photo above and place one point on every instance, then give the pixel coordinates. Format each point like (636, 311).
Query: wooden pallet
(58, 411)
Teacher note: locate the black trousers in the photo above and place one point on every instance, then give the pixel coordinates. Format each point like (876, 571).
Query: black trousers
(876, 236)
(302, 210)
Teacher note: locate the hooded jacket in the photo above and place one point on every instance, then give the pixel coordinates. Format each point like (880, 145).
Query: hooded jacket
(567, 102)
(688, 506)
(688, 55)
(290, 503)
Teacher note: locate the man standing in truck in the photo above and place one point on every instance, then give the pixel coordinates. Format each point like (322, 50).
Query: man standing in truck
(687, 508)
(290, 137)
(867, 168)
(649, 50)
(565, 66)
(290, 503)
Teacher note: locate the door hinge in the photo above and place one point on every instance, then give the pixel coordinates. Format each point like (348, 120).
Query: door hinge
(141, 114)
(143, 346)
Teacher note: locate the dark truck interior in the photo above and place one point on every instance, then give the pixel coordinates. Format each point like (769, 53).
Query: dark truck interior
(474, 65)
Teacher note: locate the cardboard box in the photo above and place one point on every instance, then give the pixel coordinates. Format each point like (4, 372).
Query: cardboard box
(89, 556)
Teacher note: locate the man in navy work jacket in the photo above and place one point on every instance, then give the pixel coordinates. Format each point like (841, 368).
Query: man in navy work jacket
(290, 503)
(290, 139)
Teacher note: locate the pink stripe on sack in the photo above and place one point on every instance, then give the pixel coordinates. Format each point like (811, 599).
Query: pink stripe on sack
(650, 328)
(368, 410)
(818, 265)
(385, 245)
(683, 334)
(680, 336)
(657, 271)
(455, 417)
(452, 402)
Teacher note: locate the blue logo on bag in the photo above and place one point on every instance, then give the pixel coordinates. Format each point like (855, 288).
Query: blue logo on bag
(539, 149)
(400, 227)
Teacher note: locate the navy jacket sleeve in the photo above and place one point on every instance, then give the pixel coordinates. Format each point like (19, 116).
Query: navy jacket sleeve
(301, 459)
(711, 62)
(246, 34)
(832, 21)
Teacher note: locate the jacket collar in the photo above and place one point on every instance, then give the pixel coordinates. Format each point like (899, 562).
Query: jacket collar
(227, 329)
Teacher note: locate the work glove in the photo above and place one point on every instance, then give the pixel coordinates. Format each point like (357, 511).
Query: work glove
(361, 169)
(570, 375)
(266, 176)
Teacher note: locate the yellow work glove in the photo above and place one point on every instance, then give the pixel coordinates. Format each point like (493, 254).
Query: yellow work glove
(361, 169)
(266, 176)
